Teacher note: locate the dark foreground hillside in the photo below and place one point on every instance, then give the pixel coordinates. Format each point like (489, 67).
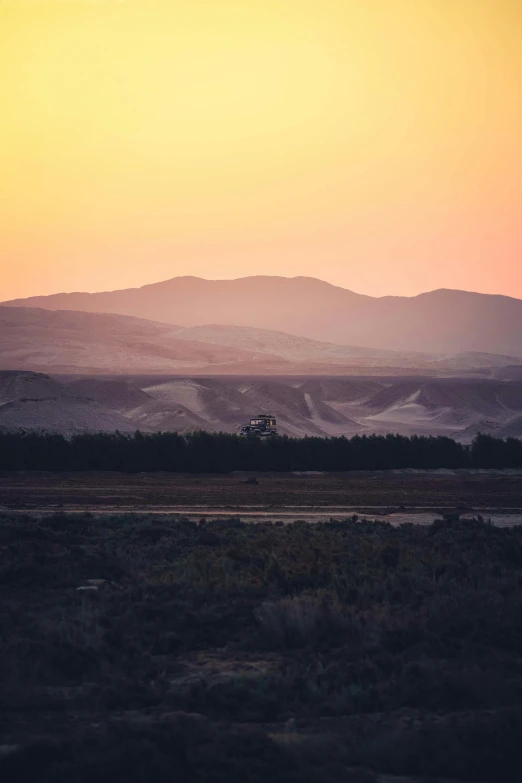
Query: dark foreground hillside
(146, 649)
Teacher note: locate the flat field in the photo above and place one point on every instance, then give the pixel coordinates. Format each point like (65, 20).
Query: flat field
(398, 496)
(142, 648)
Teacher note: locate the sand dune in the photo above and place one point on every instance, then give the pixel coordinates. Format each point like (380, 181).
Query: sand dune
(64, 415)
(314, 406)
(459, 408)
(34, 401)
(512, 429)
(20, 385)
(120, 395)
(164, 416)
(510, 372)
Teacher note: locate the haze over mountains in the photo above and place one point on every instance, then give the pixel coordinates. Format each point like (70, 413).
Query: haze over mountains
(66, 341)
(443, 321)
(192, 354)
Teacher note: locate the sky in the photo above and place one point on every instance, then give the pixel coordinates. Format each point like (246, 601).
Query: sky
(374, 144)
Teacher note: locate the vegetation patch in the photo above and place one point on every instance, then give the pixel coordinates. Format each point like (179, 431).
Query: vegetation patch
(141, 649)
(204, 452)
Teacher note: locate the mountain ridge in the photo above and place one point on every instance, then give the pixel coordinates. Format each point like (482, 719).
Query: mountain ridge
(314, 280)
(439, 321)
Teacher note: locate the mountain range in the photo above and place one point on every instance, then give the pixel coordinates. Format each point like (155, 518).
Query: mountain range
(191, 354)
(442, 321)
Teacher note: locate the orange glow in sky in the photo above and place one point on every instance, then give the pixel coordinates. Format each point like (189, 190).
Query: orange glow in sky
(375, 144)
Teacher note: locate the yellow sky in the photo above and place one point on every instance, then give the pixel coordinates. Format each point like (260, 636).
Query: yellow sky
(371, 143)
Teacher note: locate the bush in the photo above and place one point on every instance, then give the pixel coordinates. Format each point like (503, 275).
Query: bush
(306, 619)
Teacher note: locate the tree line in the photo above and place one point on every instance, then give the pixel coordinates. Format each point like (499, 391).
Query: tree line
(203, 452)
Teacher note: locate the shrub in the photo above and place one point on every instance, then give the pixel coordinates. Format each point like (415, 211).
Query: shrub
(309, 618)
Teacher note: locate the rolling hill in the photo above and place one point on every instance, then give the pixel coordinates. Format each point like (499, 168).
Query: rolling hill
(34, 401)
(314, 406)
(69, 341)
(442, 321)
(62, 341)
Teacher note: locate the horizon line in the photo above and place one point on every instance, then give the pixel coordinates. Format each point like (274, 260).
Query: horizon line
(247, 277)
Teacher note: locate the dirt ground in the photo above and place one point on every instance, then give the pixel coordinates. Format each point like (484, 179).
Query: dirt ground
(336, 493)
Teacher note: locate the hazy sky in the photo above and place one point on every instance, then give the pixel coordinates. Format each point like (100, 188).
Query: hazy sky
(375, 144)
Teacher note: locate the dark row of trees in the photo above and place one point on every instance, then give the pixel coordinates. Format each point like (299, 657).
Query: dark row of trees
(202, 452)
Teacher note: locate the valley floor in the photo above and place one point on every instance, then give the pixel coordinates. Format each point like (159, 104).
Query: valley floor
(381, 493)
